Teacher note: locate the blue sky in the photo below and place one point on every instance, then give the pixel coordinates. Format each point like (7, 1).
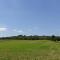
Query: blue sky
(36, 17)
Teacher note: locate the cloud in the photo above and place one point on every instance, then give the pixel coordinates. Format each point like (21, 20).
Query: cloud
(18, 31)
(3, 29)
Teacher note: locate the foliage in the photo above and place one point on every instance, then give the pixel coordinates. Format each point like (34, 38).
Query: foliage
(33, 37)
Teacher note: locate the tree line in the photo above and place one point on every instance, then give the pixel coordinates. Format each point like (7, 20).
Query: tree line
(32, 37)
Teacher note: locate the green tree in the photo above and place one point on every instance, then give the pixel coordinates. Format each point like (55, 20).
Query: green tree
(53, 38)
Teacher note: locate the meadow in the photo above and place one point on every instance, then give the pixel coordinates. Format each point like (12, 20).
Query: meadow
(29, 50)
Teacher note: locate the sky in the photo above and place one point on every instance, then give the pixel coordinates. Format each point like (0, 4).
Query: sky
(29, 17)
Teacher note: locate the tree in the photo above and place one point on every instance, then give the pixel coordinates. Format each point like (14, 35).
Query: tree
(54, 38)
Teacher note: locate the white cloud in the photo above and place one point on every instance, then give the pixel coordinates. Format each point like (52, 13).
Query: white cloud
(18, 31)
(3, 29)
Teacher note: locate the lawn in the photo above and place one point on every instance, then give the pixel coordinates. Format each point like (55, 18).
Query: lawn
(29, 50)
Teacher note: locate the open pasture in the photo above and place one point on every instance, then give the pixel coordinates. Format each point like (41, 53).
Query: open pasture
(29, 50)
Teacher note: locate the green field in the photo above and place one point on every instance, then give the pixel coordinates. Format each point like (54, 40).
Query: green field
(29, 50)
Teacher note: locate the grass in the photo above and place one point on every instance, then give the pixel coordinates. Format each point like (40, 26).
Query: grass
(29, 50)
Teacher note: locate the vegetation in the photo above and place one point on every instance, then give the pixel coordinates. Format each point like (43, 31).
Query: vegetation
(29, 50)
(35, 37)
(35, 47)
